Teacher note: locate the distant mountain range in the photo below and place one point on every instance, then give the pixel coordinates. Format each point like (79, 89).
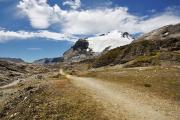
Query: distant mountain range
(15, 60)
(117, 47)
(48, 60)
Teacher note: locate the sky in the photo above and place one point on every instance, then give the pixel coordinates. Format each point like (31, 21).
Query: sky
(35, 29)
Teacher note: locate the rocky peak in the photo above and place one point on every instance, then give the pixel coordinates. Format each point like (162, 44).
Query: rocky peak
(79, 51)
(125, 35)
(81, 44)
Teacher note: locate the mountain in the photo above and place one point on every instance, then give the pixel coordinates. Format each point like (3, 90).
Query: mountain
(16, 60)
(93, 46)
(164, 33)
(48, 60)
(110, 40)
(154, 48)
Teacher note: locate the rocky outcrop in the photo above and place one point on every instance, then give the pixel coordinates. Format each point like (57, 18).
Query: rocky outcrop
(78, 52)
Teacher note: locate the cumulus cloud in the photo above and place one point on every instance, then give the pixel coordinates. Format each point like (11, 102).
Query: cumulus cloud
(157, 21)
(9, 35)
(40, 14)
(104, 20)
(74, 4)
(92, 21)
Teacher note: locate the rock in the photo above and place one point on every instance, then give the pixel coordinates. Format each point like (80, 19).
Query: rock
(39, 77)
(13, 115)
(1, 93)
(29, 88)
(147, 85)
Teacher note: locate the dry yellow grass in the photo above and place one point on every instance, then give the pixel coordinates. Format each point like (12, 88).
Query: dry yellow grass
(162, 81)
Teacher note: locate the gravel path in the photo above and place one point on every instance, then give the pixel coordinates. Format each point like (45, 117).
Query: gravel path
(122, 103)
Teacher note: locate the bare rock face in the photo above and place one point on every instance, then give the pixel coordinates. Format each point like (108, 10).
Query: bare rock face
(78, 52)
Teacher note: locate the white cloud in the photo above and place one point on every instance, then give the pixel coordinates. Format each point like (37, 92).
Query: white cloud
(74, 4)
(97, 21)
(9, 35)
(40, 14)
(34, 49)
(157, 22)
(104, 20)
(92, 21)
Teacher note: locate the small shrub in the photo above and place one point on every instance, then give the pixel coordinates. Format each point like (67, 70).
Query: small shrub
(147, 85)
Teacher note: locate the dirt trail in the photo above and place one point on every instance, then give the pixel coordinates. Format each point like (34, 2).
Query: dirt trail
(123, 103)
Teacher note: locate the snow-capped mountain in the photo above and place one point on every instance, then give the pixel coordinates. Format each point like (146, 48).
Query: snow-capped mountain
(112, 40)
(93, 46)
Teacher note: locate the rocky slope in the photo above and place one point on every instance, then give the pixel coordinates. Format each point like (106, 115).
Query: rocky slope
(151, 49)
(164, 33)
(10, 71)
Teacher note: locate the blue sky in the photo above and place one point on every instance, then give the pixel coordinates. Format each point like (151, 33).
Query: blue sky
(34, 29)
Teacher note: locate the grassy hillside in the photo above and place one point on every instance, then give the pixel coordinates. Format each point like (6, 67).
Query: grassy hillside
(150, 52)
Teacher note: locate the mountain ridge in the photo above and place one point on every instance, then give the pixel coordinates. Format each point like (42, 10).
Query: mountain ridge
(150, 49)
(16, 60)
